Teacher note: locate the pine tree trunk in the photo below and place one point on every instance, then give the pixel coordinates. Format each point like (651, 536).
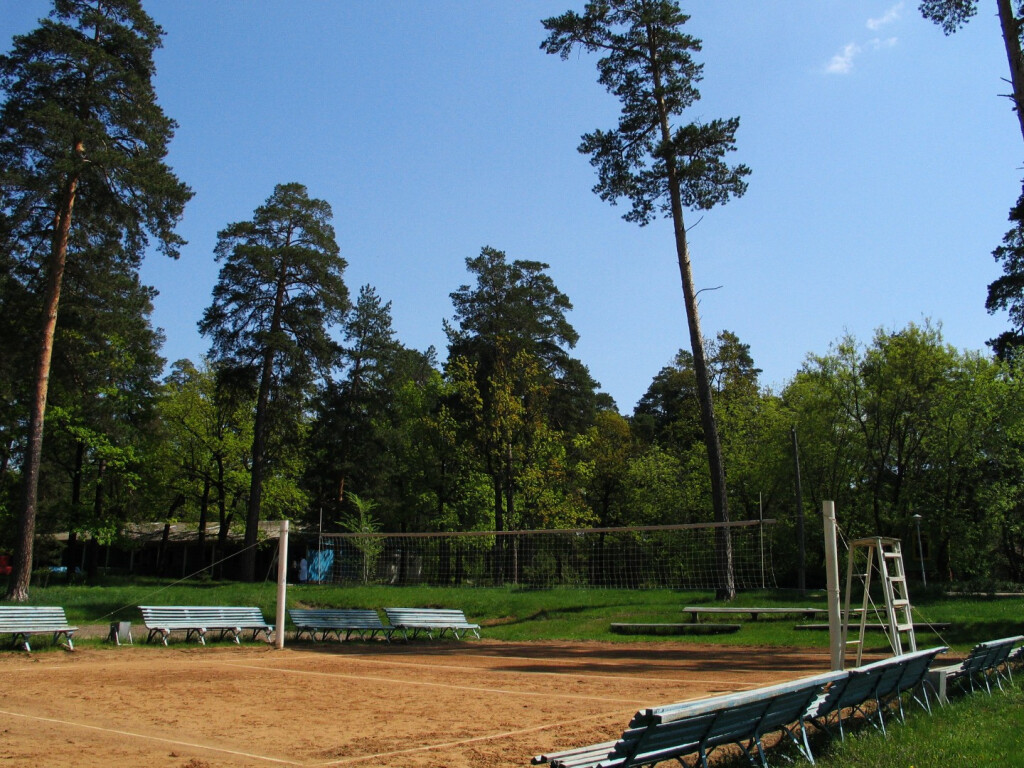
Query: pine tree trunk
(726, 589)
(21, 574)
(259, 439)
(259, 444)
(204, 513)
(1015, 57)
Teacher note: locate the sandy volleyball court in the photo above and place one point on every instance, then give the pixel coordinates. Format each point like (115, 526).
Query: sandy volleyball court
(484, 704)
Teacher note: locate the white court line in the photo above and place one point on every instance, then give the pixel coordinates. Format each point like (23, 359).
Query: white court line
(461, 742)
(161, 739)
(427, 684)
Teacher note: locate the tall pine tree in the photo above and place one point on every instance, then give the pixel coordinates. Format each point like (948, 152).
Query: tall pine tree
(279, 292)
(82, 148)
(659, 167)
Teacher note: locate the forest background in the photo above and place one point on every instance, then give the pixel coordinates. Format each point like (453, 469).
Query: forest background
(502, 426)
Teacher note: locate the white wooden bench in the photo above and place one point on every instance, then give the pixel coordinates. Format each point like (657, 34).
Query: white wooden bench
(986, 661)
(196, 621)
(427, 620)
(695, 728)
(363, 622)
(23, 621)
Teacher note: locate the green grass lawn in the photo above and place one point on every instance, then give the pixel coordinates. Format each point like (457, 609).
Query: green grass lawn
(515, 614)
(975, 730)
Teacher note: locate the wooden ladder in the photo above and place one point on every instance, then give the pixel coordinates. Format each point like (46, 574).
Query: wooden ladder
(881, 556)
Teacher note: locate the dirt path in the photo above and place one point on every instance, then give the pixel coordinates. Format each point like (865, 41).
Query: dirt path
(484, 704)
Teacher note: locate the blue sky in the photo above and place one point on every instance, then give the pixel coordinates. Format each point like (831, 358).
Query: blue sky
(884, 164)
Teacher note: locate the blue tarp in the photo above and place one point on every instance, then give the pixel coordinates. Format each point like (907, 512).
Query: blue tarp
(320, 563)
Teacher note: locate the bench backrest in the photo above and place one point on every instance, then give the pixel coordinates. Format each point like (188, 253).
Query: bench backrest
(202, 616)
(916, 668)
(674, 730)
(20, 618)
(425, 617)
(359, 618)
(989, 654)
(880, 679)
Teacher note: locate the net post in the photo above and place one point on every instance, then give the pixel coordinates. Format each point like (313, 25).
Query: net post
(282, 584)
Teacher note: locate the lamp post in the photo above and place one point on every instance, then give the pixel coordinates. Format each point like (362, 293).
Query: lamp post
(920, 549)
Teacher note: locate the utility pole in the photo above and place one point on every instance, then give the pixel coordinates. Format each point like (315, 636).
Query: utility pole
(801, 562)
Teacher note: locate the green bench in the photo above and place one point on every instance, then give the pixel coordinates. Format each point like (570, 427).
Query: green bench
(429, 620)
(23, 621)
(986, 661)
(696, 728)
(362, 622)
(870, 690)
(196, 621)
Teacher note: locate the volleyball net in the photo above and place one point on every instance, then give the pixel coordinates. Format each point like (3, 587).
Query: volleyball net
(636, 557)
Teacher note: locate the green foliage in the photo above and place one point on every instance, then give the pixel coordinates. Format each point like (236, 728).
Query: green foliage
(80, 104)
(909, 425)
(951, 15)
(648, 65)
(1006, 292)
(362, 522)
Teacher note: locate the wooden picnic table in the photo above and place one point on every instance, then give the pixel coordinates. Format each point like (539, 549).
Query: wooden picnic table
(695, 611)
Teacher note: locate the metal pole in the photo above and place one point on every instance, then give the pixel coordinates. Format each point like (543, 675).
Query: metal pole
(920, 550)
(801, 561)
(282, 584)
(835, 631)
(760, 531)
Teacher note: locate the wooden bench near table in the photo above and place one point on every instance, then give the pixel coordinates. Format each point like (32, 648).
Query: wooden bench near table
(716, 628)
(427, 620)
(695, 612)
(23, 621)
(328, 621)
(197, 620)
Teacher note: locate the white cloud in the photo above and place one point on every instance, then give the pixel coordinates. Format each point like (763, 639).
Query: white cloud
(888, 17)
(842, 62)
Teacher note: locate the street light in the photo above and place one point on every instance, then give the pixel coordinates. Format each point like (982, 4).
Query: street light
(920, 549)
